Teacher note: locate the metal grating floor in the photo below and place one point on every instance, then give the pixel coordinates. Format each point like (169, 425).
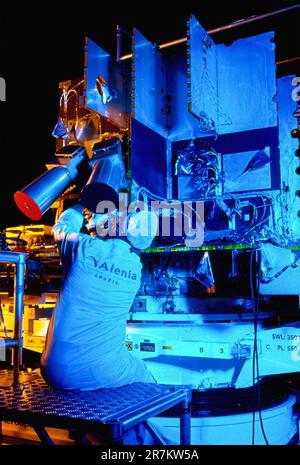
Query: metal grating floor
(31, 398)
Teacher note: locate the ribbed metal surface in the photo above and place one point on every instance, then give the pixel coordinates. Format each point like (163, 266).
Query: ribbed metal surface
(31, 395)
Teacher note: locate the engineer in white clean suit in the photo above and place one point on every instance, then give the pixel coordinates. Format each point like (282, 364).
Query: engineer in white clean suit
(85, 345)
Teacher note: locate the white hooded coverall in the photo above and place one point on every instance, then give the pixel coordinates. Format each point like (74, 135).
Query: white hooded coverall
(85, 345)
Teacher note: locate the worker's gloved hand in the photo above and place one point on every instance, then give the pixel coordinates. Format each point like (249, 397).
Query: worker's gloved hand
(138, 228)
(142, 228)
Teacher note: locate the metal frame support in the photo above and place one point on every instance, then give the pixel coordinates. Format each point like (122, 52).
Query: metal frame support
(185, 424)
(154, 434)
(119, 43)
(43, 435)
(19, 260)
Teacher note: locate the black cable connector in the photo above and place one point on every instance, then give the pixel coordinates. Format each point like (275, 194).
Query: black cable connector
(295, 133)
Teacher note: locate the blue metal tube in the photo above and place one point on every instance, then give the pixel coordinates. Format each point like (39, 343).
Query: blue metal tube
(36, 198)
(105, 181)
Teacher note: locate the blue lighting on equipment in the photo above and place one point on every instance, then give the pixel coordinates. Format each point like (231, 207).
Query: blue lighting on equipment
(210, 125)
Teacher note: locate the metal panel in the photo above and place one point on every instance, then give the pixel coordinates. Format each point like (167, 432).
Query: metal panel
(148, 84)
(149, 159)
(232, 85)
(99, 63)
(288, 160)
(202, 75)
(236, 150)
(247, 84)
(182, 124)
(234, 163)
